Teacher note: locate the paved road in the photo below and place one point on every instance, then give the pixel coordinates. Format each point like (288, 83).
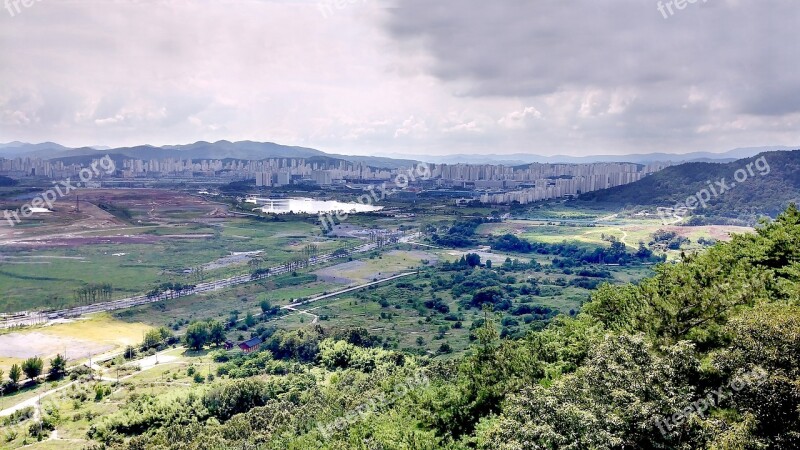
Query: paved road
(293, 306)
(198, 289)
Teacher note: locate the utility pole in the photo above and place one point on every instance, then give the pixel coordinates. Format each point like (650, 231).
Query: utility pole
(40, 413)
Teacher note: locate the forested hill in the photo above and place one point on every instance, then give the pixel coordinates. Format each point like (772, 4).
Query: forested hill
(703, 355)
(767, 191)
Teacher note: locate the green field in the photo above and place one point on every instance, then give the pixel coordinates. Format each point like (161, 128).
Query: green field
(47, 278)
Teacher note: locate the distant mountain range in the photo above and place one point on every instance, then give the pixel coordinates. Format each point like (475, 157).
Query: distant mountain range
(244, 150)
(249, 150)
(764, 184)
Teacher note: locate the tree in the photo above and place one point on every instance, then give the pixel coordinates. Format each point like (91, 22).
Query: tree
(249, 320)
(151, 339)
(33, 367)
(265, 306)
(492, 295)
(166, 335)
(488, 263)
(196, 335)
(15, 374)
(58, 367)
(216, 332)
(473, 259)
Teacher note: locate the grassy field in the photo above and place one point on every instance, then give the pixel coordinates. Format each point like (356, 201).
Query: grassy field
(219, 305)
(376, 266)
(593, 232)
(36, 278)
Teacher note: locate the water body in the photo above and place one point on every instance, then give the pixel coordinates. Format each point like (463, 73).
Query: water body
(308, 206)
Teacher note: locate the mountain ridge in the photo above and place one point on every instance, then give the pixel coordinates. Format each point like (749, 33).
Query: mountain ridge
(247, 149)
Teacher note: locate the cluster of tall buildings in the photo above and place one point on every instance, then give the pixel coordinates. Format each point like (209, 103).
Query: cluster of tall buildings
(267, 172)
(538, 171)
(27, 167)
(489, 183)
(498, 184)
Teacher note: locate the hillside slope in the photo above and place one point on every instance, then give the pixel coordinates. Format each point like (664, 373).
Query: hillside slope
(771, 184)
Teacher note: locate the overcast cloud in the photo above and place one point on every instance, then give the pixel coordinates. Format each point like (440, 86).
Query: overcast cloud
(415, 76)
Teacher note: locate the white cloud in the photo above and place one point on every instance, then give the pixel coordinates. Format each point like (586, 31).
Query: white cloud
(411, 126)
(516, 119)
(463, 77)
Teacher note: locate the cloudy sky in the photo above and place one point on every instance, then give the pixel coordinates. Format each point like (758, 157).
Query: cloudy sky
(413, 77)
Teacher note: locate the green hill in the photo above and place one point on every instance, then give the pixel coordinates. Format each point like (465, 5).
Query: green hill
(770, 184)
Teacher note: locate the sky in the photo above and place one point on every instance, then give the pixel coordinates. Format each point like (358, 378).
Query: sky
(404, 77)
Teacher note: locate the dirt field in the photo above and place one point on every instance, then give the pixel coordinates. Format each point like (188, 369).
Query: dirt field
(125, 209)
(26, 345)
(80, 339)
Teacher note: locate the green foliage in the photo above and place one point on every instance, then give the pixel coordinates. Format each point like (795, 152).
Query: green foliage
(615, 254)
(17, 416)
(157, 338)
(32, 367)
(58, 367)
(460, 234)
(15, 374)
(216, 332)
(197, 335)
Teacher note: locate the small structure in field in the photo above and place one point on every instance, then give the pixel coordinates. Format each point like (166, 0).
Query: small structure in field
(251, 345)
